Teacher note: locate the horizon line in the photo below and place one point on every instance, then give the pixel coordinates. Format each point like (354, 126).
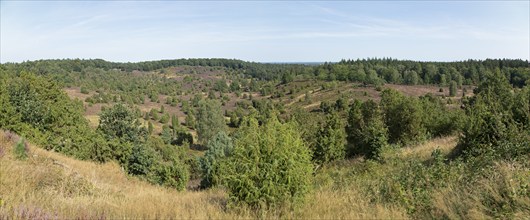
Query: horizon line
(271, 62)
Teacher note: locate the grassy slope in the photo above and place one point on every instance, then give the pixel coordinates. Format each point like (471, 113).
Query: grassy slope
(48, 184)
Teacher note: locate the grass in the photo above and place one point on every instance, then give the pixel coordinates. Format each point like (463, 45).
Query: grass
(57, 185)
(423, 151)
(50, 185)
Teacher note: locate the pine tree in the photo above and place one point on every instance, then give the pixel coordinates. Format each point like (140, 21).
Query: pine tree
(210, 120)
(452, 88)
(366, 130)
(331, 140)
(174, 122)
(150, 127)
(219, 148)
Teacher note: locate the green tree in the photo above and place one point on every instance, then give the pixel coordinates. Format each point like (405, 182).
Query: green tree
(9, 117)
(490, 128)
(411, 77)
(220, 147)
(150, 127)
(173, 173)
(372, 78)
(21, 149)
(154, 114)
(234, 86)
(452, 88)
(36, 108)
(403, 116)
(366, 131)
(331, 140)
(190, 119)
(176, 136)
(210, 120)
(270, 165)
(521, 108)
(165, 118)
(175, 122)
(120, 122)
(141, 160)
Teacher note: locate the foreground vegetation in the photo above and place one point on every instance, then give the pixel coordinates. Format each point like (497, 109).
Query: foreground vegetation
(49, 185)
(213, 138)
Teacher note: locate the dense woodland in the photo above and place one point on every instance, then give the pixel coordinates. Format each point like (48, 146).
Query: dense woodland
(270, 135)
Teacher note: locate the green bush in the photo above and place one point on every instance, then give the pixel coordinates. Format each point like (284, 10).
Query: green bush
(164, 119)
(331, 140)
(220, 147)
(404, 118)
(452, 89)
(141, 160)
(174, 174)
(270, 165)
(176, 136)
(491, 125)
(21, 149)
(84, 90)
(36, 108)
(366, 131)
(210, 120)
(438, 119)
(121, 122)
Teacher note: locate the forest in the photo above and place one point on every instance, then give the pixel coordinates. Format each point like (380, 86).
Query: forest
(225, 138)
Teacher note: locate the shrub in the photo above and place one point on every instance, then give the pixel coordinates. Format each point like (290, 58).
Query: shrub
(84, 90)
(164, 119)
(174, 174)
(452, 89)
(154, 114)
(270, 165)
(331, 140)
(438, 119)
(141, 160)
(120, 122)
(490, 124)
(210, 120)
(366, 131)
(403, 116)
(219, 148)
(176, 136)
(21, 149)
(150, 127)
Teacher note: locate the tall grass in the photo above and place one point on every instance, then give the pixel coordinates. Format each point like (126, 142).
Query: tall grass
(48, 185)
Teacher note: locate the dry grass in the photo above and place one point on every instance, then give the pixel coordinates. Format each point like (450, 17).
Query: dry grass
(347, 204)
(57, 185)
(93, 120)
(506, 188)
(424, 150)
(49, 185)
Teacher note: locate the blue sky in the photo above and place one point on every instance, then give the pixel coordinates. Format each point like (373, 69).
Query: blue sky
(275, 31)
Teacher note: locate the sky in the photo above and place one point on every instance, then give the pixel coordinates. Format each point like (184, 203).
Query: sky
(273, 31)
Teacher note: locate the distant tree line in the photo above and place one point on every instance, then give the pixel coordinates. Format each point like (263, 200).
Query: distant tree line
(370, 71)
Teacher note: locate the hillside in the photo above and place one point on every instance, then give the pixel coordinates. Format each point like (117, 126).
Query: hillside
(49, 185)
(198, 80)
(230, 139)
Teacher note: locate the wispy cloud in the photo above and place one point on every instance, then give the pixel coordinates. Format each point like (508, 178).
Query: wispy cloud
(312, 31)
